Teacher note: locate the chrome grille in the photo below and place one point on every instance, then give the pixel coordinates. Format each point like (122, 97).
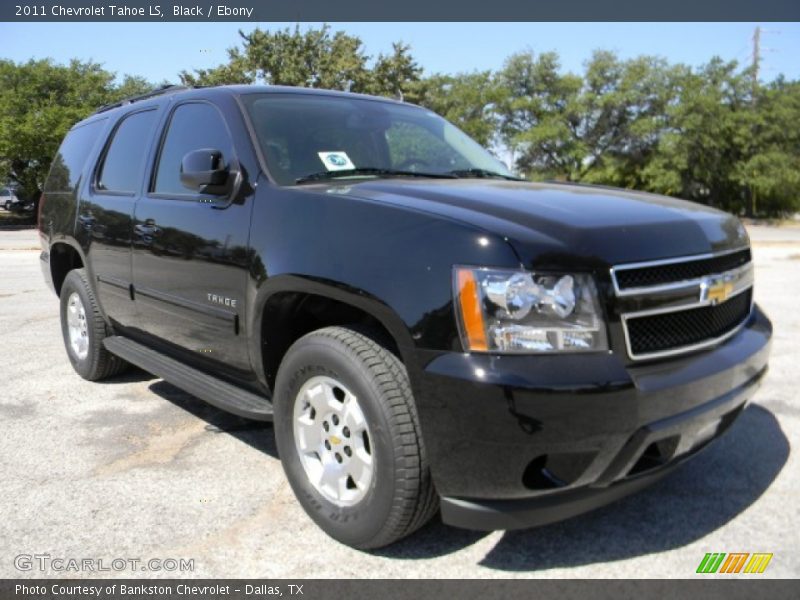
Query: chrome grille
(686, 327)
(672, 307)
(692, 268)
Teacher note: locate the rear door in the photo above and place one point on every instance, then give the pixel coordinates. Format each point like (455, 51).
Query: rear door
(190, 254)
(106, 212)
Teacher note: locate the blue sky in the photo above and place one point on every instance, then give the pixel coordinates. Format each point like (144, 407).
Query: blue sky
(158, 51)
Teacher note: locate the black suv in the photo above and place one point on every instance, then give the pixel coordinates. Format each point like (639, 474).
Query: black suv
(425, 329)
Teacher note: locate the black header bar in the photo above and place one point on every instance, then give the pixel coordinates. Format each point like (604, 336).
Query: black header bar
(407, 10)
(706, 587)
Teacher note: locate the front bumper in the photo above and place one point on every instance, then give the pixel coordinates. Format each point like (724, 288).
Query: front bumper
(521, 441)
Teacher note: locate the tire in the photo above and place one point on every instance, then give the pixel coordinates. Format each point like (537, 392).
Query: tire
(375, 506)
(84, 329)
(8, 205)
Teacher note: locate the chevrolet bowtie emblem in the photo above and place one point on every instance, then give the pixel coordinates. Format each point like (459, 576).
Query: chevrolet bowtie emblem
(716, 291)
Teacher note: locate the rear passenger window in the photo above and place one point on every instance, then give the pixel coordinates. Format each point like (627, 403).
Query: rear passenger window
(71, 158)
(193, 127)
(121, 170)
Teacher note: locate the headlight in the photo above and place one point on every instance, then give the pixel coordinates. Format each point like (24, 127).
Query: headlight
(522, 312)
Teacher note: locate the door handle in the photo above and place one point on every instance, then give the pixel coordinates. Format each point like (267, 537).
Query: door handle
(87, 221)
(147, 231)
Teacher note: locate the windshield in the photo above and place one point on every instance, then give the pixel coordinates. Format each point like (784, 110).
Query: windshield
(307, 137)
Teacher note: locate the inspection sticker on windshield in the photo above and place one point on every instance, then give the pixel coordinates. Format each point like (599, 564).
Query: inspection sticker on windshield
(336, 161)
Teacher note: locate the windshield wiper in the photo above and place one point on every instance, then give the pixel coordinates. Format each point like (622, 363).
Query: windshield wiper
(323, 175)
(482, 173)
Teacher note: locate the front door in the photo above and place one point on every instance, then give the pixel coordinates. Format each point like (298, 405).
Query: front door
(190, 250)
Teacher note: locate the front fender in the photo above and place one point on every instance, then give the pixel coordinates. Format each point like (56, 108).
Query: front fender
(291, 283)
(392, 262)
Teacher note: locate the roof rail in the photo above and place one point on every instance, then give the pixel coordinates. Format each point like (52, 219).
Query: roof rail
(165, 89)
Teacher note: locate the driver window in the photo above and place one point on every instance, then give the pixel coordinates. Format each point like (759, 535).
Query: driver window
(192, 127)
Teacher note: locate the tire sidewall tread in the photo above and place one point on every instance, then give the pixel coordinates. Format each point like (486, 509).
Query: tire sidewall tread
(401, 496)
(99, 362)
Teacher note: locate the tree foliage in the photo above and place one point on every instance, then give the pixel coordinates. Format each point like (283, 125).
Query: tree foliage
(468, 100)
(710, 133)
(395, 74)
(39, 102)
(317, 58)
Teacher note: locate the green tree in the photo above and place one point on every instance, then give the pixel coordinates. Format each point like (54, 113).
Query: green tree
(598, 127)
(312, 58)
(395, 74)
(711, 134)
(318, 58)
(39, 102)
(235, 71)
(539, 114)
(132, 85)
(770, 171)
(705, 136)
(468, 100)
(621, 109)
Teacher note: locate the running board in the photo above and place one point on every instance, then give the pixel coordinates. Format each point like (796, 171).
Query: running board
(213, 390)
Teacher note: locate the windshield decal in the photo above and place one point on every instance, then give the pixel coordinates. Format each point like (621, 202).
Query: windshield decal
(336, 161)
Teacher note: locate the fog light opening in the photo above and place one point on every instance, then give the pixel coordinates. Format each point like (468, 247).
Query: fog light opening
(537, 477)
(656, 455)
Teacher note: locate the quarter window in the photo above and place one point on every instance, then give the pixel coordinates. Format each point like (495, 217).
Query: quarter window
(121, 170)
(71, 158)
(193, 127)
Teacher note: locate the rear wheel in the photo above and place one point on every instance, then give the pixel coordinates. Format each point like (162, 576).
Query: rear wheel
(349, 439)
(84, 329)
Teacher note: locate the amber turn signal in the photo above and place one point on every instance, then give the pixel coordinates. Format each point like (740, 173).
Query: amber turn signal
(471, 313)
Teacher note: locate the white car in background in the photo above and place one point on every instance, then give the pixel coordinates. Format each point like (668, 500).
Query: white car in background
(8, 198)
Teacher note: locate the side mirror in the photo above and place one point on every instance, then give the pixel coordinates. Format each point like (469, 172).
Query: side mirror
(204, 171)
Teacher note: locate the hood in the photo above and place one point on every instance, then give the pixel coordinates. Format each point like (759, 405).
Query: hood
(556, 224)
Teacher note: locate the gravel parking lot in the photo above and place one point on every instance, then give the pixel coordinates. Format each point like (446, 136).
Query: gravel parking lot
(133, 468)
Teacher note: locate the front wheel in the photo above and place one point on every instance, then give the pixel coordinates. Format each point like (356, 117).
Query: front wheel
(348, 435)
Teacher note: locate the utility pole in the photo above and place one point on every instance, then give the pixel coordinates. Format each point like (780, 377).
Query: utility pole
(751, 204)
(756, 58)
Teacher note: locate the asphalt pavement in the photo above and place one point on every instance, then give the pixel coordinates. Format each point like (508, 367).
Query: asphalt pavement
(135, 469)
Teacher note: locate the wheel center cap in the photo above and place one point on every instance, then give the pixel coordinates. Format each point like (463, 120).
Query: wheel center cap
(335, 440)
